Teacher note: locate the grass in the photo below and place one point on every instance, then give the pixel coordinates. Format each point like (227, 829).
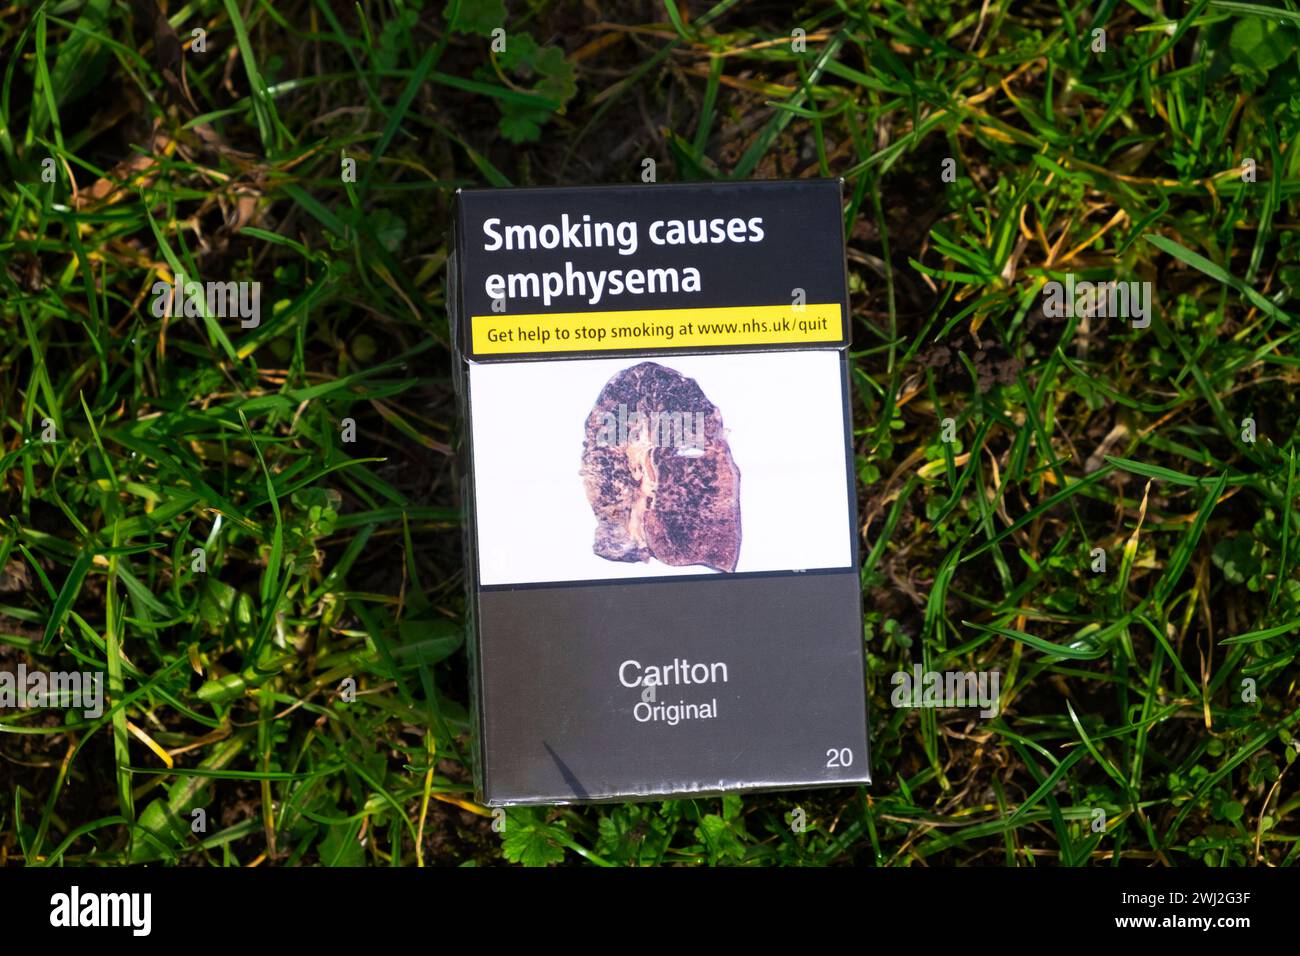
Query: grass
(279, 610)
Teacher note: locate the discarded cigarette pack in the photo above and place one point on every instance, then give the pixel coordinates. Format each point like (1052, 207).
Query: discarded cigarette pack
(658, 490)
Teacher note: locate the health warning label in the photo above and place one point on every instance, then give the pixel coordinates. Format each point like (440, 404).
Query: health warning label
(658, 329)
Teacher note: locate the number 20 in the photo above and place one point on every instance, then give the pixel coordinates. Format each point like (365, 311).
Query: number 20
(843, 757)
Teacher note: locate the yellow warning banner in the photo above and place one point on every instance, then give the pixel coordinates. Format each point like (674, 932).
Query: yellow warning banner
(657, 329)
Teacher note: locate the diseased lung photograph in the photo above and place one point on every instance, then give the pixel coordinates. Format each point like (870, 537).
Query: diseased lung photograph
(692, 464)
(659, 473)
